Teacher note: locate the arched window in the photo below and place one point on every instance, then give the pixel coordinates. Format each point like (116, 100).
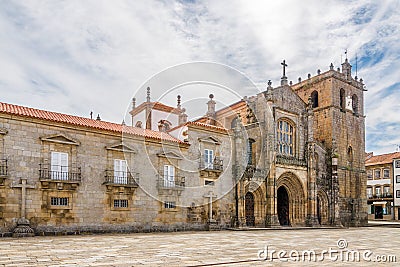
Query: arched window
(314, 99)
(354, 99)
(285, 132)
(342, 99)
(251, 151)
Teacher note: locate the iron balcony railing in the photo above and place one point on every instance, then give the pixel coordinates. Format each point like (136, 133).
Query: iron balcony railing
(60, 173)
(216, 165)
(3, 167)
(177, 182)
(384, 195)
(121, 178)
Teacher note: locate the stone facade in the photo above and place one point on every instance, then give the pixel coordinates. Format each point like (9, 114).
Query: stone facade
(281, 157)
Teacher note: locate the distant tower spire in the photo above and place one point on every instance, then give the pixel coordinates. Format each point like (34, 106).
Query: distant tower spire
(148, 94)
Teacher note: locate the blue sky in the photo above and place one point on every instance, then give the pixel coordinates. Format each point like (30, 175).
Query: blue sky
(80, 56)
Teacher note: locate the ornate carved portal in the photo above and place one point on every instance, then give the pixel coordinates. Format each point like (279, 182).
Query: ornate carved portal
(283, 206)
(249, 209)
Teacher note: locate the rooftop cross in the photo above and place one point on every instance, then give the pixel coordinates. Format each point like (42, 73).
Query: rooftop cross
(284, 68)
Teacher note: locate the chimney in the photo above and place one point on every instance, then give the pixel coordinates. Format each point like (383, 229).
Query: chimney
(98, 117)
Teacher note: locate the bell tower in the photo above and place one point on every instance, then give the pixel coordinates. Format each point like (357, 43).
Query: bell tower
(337, 101)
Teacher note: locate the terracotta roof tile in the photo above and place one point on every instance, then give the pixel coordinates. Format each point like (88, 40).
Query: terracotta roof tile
(85, 122)
(382, 159)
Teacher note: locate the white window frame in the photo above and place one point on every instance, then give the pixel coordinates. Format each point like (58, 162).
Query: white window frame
(59, 166)
(369, 192)
(169, 176)
(209, 158)
(378, 192)
(120, 171)
(388, 173)
(120, 203)
(59, 201)
(169, 205)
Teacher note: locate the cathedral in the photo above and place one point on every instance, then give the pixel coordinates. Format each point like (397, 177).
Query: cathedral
(291, 155)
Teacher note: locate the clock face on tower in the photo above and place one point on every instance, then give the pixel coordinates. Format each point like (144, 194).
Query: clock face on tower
(349, 103)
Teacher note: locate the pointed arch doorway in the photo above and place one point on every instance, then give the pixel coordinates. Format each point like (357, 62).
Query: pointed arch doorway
(249, 209)
(283, 206)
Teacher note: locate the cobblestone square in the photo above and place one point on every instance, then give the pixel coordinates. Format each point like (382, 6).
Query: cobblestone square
(220, 248)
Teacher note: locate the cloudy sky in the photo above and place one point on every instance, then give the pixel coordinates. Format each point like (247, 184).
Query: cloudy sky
(80, 56)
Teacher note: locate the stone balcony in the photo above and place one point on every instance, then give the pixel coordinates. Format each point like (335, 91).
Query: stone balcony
(211, 170)
(69, 178)
(126, 179)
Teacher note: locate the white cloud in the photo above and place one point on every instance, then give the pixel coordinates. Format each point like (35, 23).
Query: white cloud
(77, 56)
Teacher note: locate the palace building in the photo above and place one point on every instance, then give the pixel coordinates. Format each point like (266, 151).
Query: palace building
(292, 155)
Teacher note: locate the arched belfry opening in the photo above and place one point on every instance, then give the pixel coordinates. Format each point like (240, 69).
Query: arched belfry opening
(314, 99)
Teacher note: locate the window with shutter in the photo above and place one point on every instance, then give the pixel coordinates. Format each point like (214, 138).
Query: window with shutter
(169, 176)
(120, 171)
(209, 158)
(59, 166)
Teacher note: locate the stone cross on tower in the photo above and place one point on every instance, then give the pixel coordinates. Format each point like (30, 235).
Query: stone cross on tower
(284, 67)
(23, 229)
(284, 80)
(210, 196)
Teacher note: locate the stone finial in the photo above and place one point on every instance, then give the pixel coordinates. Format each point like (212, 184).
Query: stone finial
(338, 69)
(331, 66)
(346, 68)
(299, 79)
(98, 117)
(291, 83)
(148, 94)
(211, 110)
(318, 71)
(178, 100)
(91, 115)
(269, 85)
(309, 76)
(133, 103)
(356, 78)
(123, 122)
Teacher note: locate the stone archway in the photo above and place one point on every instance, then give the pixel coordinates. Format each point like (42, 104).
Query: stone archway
(322, 208)
(249, 209)
(295, 200)
(283, 206)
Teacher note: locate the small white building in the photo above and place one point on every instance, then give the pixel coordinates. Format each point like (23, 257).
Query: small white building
(396, 187)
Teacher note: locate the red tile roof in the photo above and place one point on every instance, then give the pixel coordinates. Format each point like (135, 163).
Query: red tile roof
(196, 123)
(382, 159)
(154, 105)
(200, 124)
(85, 122)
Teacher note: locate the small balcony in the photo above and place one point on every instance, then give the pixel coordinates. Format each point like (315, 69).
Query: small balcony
(120, 178)
(60, 174)
(178, 182)
(384, 196)
(3, 167)
(217, 165)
